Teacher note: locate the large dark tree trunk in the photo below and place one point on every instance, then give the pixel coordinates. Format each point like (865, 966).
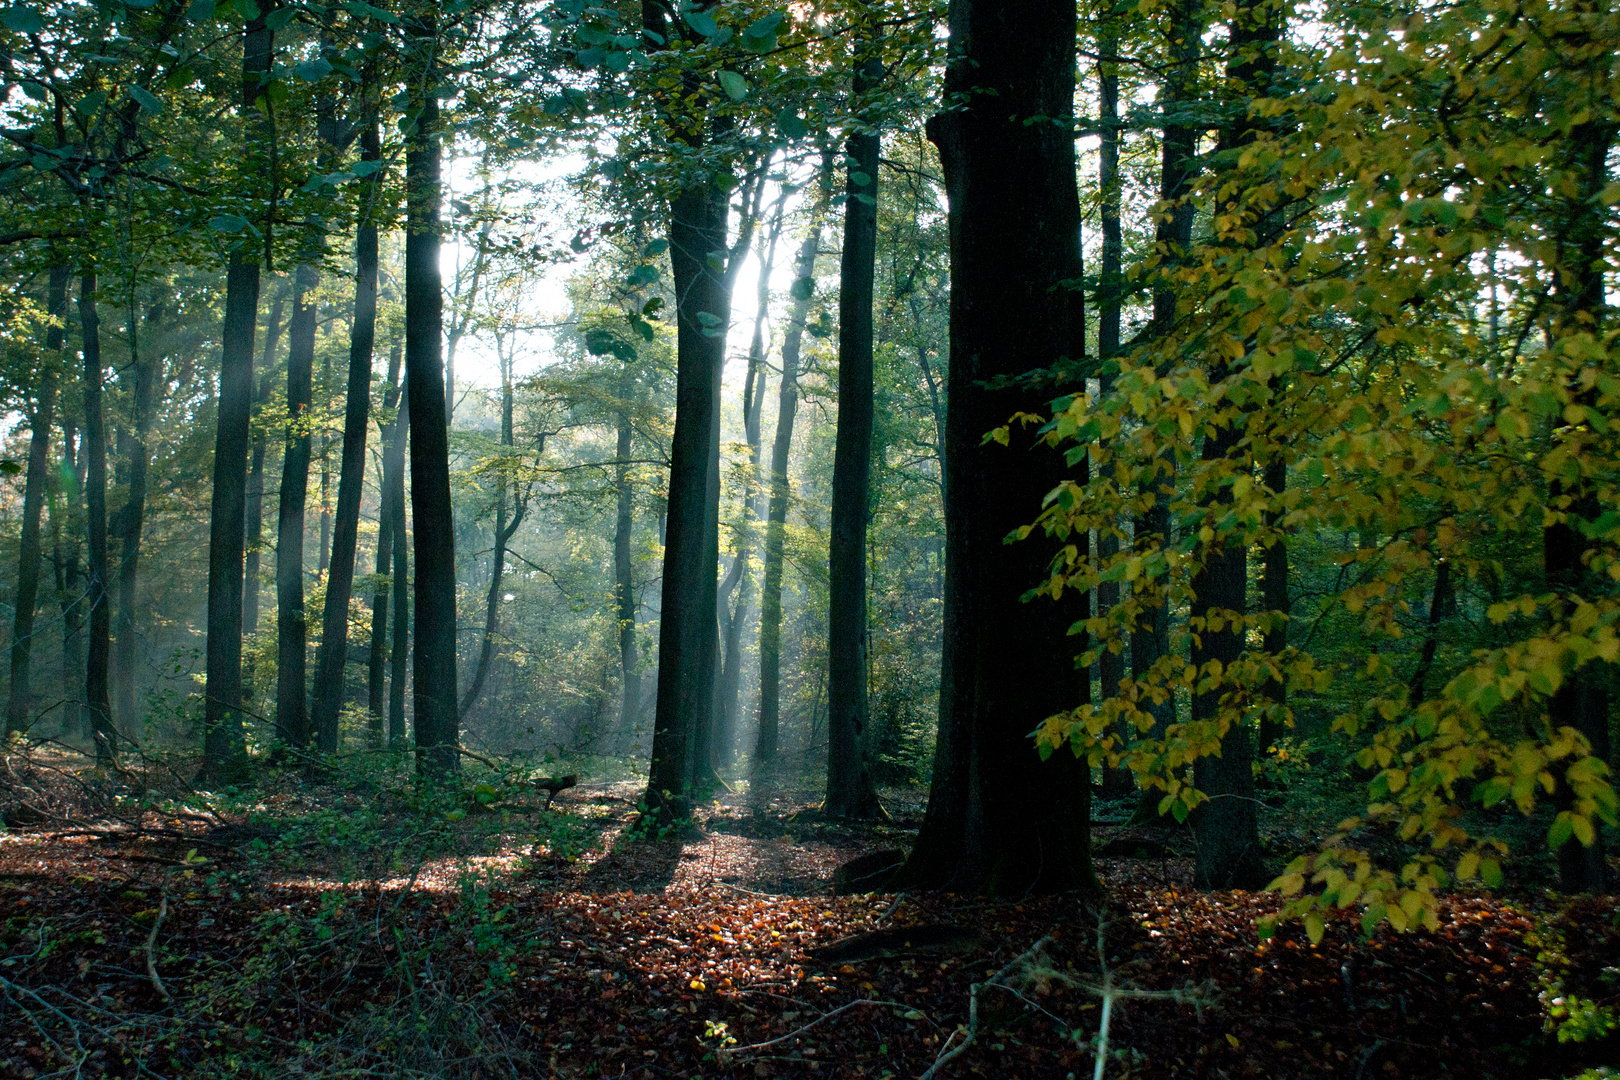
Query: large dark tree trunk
(504, 531)
(1227, 826)
(19, 706)
(224, 753)
(98, 653)
(770, 602)
(255, 483)
(1000, 819)
(334, 651)
(850, 793)
(292, 632)
(434, 662)
(1582, 700)
(687, 620)
(1274, 598)
(131, 521)
(377, 679)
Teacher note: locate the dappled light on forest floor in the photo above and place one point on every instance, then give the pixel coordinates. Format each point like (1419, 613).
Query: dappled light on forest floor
(530, 945)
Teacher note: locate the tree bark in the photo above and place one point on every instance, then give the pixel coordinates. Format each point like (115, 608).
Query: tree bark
(332, 658)
(1274, 596)
(65, 531)
(770, 602)
(131, 522)
(1582, 700)
(224, 752)
(401, 649)
(1227, 826)
(1117, 783)
(434, 662)
(624, 582)
(98, 651)
(255, 484)
(377, 680)
(504, 531)
(19, 706)
(292, 632)
(850, 793)
(999, 819)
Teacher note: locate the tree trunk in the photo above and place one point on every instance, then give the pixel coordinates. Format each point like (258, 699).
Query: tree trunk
(999, 819)
(19, 706)
(1117, 783)
(65, 560)
(1582, 700)
(255, 484)
(376, 681)
(224, 752)
(1227, 826)
(624, 582)
(850, 793)
(292, 715)
(400, 651)
(434, 663)
(770, 602)
(1150, 637)
(333, 656)
(98, 654)
(741, 577)
(504, 530)
(1274, 597)
(131, 521)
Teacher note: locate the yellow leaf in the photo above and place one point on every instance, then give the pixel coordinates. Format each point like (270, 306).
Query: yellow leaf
(1314, 928)
(1233, 1040)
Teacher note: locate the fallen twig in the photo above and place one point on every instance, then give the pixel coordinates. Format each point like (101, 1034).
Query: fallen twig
(948, 1053)
(151, 943)
(734, 1051)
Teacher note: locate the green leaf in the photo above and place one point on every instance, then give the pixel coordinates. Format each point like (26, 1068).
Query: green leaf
(657, 247)
(365, 168)
(24, 20)
(1314, 928)
(702, 23)
(279, 18)
(735, 86)
(791, 127)
(802, 289)
(200, 11)
(9, 467)
(1490, 872)
(36, 91)
(90, 104)
(227, 223)
(313, 70)
(148, 101)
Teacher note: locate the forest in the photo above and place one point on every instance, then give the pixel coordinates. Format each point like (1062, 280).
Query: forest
(857, 538)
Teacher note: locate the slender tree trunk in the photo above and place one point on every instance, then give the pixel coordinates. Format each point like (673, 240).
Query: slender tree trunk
(224, 753)
(624, 582)
(1582, 700)
(400, 651)
(65, 530)
(19, 706)
(435, 657)
(1274, 597)
(1000, 819)
(770, 603)
(98, 654)
(292, 632)
(741, 578)
(131, 522)
(1150, 637)
(255, 484)
(1117, 783)
(376, 683)
(332, 658)
(850, 793)
(323, 557)
(504, 531)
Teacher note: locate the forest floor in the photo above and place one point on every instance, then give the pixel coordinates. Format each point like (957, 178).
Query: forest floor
(356, 927)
